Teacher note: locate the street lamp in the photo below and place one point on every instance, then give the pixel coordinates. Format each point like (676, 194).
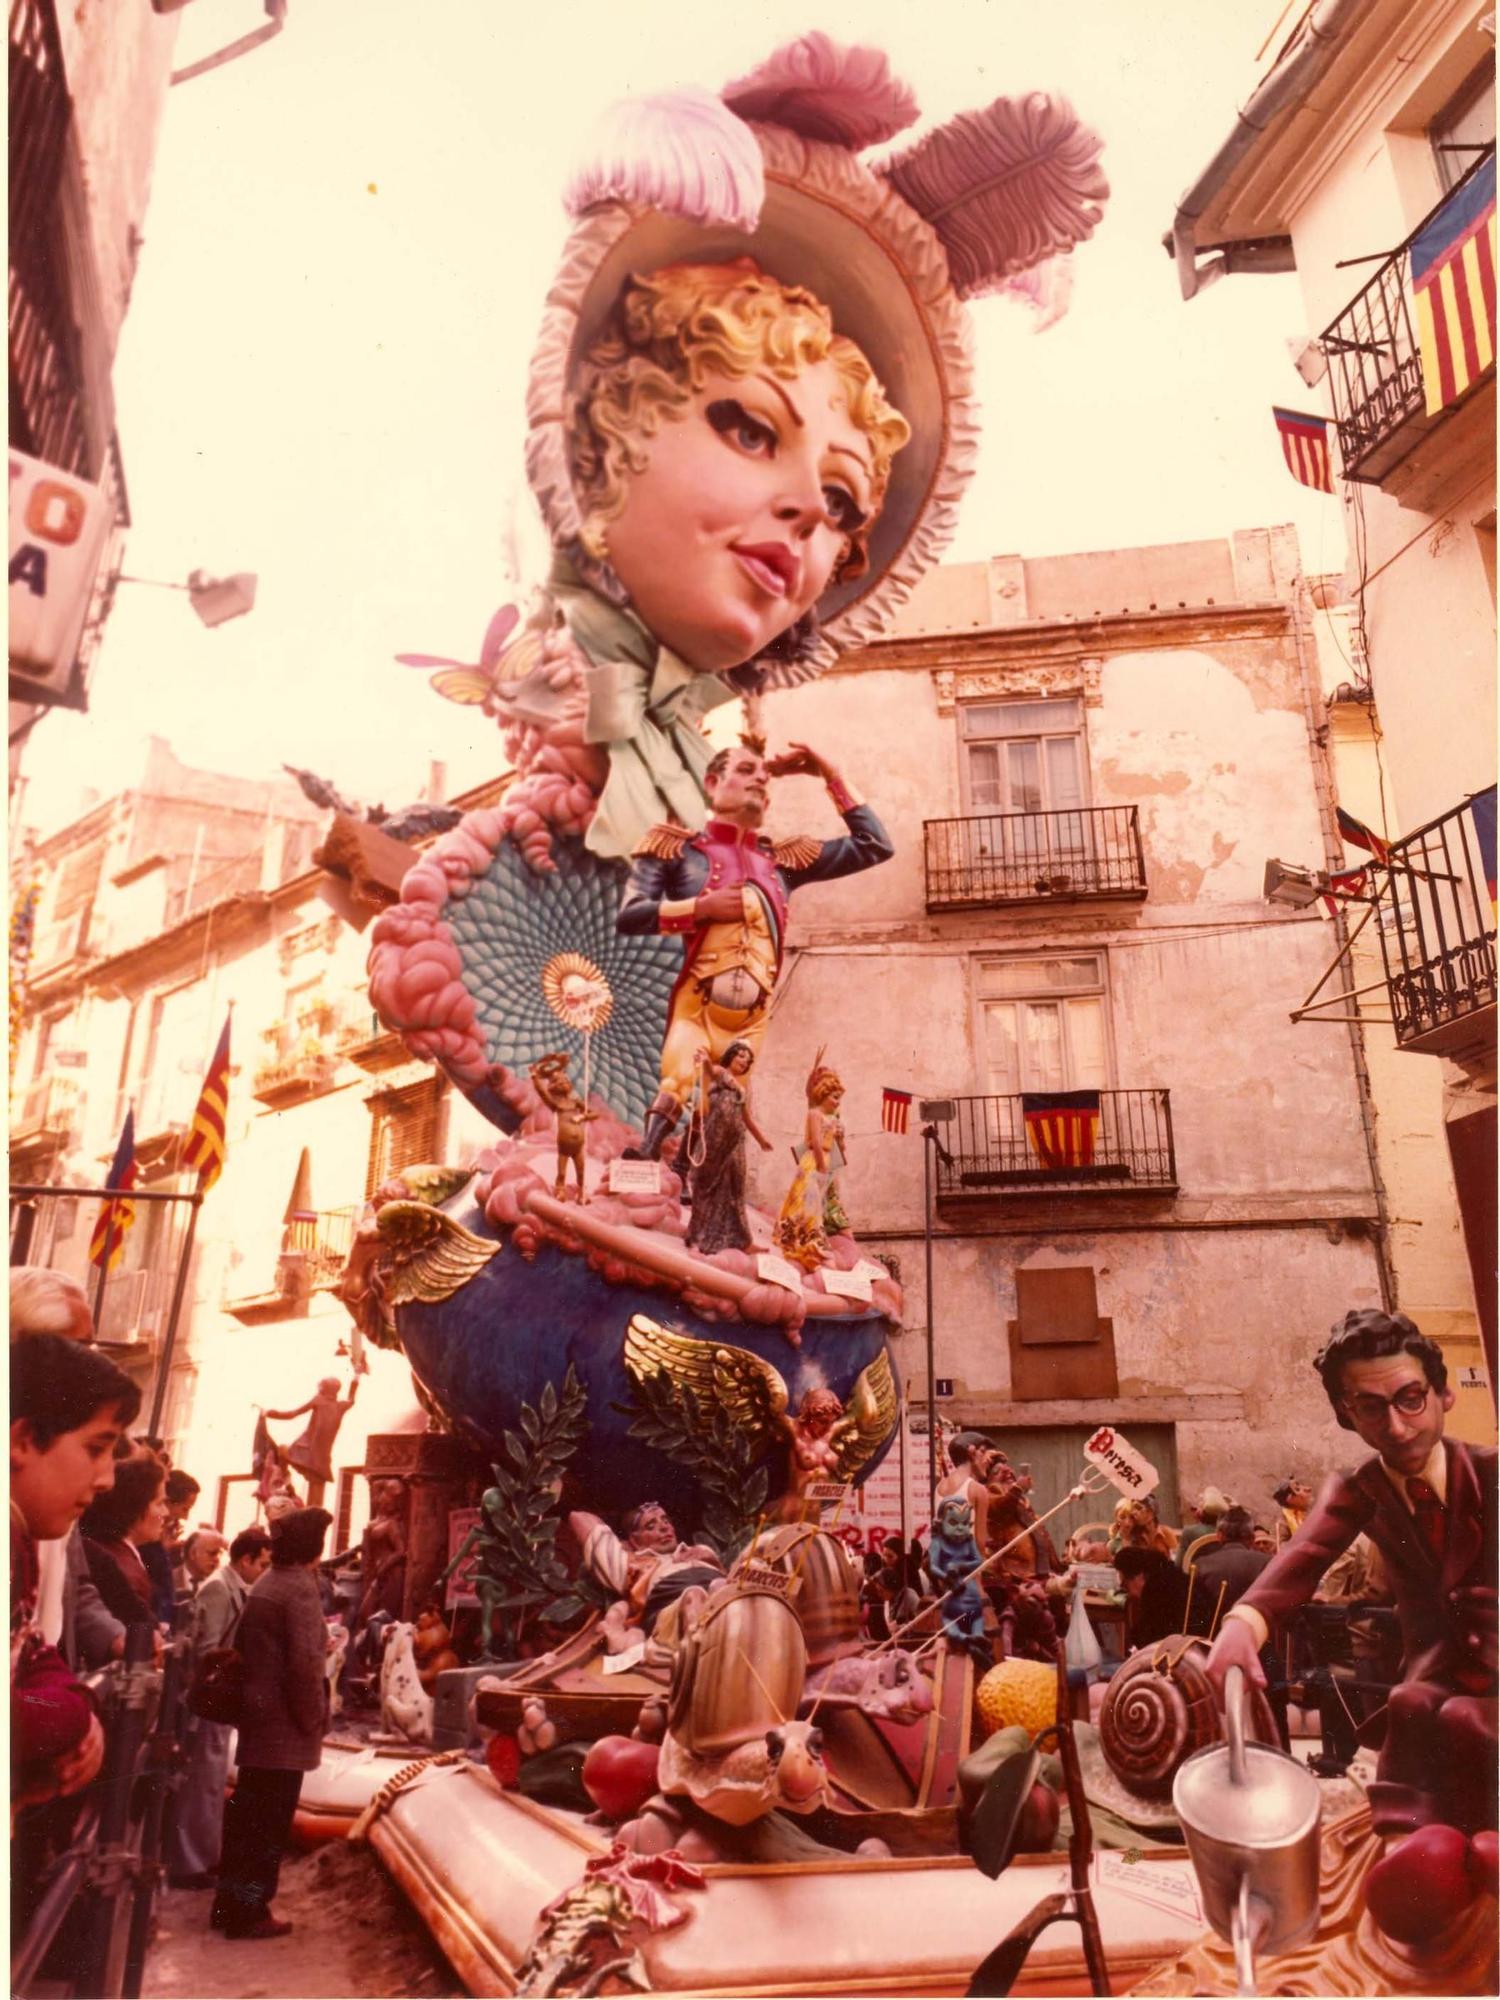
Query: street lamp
(216, 599)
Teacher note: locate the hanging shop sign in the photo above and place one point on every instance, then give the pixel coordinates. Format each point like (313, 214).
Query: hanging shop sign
(58, 528)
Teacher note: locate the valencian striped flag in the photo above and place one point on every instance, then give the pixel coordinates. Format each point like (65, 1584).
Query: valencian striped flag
(1354, 833)
(895, 1109)
(1482, 812)
(1062, 1126)
(116, 1218)
(205, 1146)
(1304, 446)
(1453, 289)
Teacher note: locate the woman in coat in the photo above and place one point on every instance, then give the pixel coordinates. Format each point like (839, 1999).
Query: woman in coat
(116, 1527)
(283, 1642)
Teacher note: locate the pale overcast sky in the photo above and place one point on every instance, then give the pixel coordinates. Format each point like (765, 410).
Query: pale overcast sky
(351, 231)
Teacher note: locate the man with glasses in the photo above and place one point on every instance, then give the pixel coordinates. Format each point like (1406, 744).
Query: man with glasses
(1428, 1504)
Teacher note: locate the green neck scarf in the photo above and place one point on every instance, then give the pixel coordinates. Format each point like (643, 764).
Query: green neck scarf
(645, 707)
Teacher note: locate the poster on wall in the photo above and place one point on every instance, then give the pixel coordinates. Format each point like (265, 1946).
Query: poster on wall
(460, 1591)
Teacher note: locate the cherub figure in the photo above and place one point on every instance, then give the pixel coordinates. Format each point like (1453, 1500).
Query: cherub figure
(556, 1088)
(813, 1437)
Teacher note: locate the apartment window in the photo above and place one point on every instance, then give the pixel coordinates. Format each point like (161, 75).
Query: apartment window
(404, 1130)
(1043, 1024)
(1465, 127)
(1023, 756)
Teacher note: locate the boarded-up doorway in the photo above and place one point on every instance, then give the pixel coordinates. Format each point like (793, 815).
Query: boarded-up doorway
(1054, 1455)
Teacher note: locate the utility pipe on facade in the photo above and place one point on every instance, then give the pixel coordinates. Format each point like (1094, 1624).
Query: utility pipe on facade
(1286, 87)
(1333, 858)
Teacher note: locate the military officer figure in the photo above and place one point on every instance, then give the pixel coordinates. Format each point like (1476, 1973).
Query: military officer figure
(724, 891)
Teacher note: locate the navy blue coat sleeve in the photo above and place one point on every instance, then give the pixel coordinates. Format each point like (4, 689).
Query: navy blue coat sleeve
(865, 845)
(639, 914)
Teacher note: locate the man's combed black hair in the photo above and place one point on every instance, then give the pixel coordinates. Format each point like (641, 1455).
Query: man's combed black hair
(110, 1516)
(249, 1542)
(60, 1385)
(1368, 1335)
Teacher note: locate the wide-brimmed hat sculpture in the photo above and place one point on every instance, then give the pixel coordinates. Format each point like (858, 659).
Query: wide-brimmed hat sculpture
(772, 170)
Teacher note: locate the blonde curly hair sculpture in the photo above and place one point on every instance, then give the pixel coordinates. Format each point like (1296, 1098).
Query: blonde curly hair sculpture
(675, 326)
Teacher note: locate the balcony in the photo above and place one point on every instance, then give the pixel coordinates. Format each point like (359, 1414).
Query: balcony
(296, 1067)
(990, 1150)
(1438, 940)
(136, 1305)
(1375, 366)
(323, 1243)
(47, 1111)
(1092, 853)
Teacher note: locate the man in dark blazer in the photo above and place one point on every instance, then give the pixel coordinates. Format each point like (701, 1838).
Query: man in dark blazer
(283, 1642)
(724, 891)
(1428, 1504)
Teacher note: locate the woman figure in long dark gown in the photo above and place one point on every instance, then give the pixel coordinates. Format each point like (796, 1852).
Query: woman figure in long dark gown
(716, 1182)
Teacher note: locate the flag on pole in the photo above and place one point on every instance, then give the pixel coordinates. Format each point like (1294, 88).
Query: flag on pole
(1453, 290)
(1304, 446)
(1062, 1125)
(1482, 812)
(1348, 885)
(205, 1146)
(1354, 833)
(895, 1109)
(116, 1218)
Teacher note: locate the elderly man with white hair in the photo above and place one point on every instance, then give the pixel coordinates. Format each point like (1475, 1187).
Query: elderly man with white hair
(43, 1301)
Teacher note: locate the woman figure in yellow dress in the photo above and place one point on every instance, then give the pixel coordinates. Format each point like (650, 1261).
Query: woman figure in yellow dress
(800, 1232)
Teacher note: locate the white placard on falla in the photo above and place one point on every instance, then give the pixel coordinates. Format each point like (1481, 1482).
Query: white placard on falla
(635, 1176)
(1120, 1462)
(846, 1284)
(777, 1271)
(867, 1268)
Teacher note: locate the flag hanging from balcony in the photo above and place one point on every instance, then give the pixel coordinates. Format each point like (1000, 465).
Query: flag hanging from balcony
(1062, 1125)
(1354, 833)
(895, 1109)
(205, 1147)
(1304, 446)
(1349, 885)
(1482, 812)
(1453, 289)
(116, 1218)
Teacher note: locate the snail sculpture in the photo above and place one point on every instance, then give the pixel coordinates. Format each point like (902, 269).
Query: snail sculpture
(826, 1592)
(1160, 1709)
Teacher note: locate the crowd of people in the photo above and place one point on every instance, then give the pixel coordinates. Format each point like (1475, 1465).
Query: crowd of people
(103, 1545)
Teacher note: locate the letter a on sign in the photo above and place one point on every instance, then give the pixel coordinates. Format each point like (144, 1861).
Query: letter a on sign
(1121, 1464)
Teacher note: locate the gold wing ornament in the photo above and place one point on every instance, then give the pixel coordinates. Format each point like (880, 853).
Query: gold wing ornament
(427, 1255)
(750, 1389)
(871, 1417)
(434, 1185)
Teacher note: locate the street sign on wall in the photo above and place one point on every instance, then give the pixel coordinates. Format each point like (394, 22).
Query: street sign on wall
(58, 528)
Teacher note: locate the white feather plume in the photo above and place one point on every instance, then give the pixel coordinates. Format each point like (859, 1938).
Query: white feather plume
(684, 153)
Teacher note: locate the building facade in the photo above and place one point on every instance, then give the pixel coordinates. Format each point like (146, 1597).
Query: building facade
(1364, 159)
(87, 96)
(1084, 762)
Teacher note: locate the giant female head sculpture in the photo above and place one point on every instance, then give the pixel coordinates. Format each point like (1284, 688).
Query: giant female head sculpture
(731, 453)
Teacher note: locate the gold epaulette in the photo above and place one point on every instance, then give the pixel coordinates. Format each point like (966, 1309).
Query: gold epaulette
(663, 842)
(801, 851)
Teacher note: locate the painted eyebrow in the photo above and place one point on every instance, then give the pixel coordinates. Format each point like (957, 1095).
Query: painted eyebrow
(858, 456)
(791, 408)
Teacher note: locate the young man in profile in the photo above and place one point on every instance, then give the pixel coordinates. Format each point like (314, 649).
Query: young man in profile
(1428, 1504)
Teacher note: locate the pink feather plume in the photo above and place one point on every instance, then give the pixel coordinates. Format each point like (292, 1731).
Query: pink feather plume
(821, 90)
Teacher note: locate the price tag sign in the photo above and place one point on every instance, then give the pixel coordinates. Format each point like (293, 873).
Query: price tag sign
(635, 1176)
(827, 1492)
(1121, 1464)
(1165, 1885)
(621, 1663)
(867, 1268)
(847, 1285)
(777, 1271)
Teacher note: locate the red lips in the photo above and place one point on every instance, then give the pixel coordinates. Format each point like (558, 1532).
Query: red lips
(772, 565)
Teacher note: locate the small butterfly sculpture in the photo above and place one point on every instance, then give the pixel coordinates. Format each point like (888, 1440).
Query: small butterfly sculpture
(469, 682)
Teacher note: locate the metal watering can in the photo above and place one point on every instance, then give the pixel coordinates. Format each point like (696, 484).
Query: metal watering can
(1251, 1817)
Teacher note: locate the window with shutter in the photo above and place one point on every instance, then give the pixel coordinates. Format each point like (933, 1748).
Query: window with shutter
(405, 1130)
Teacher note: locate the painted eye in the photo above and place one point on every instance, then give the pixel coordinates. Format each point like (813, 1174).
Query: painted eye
(733, 421)
(844, 511)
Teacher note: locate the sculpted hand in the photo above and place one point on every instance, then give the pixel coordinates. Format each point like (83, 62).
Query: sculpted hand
(719, 906)
(798, 760)
(1234, 1647)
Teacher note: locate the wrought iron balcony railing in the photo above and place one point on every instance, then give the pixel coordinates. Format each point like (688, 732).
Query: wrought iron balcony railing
(989, 858)
(1437, 935)
(1014, 1144)
(322, 1242)
(1375, 365)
